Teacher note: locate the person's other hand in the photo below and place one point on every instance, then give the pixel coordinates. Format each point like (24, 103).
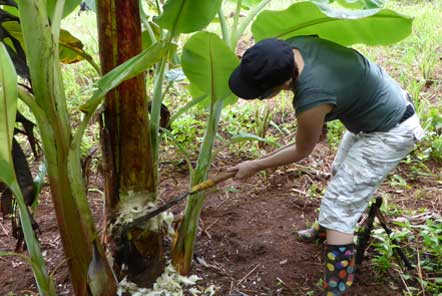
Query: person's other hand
(245, 169)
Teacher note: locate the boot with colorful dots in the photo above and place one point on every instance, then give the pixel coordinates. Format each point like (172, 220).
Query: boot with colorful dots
(339, 269)
(316, 232)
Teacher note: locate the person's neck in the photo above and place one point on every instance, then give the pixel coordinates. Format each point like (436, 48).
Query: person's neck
(298, 60)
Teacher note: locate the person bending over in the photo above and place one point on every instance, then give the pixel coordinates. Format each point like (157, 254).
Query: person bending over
(332, 82)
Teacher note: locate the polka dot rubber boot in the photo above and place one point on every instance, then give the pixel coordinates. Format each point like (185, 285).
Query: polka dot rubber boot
(316, 232)
(339, 269)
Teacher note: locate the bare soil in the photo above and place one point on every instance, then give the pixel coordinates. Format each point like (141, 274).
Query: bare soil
(246, 243)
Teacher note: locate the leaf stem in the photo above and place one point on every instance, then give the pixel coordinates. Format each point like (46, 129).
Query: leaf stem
(223, 24)
(236, 17)
(246, 22)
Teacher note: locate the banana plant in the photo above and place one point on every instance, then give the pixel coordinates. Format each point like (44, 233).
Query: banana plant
(89, 270)
(207, 62)
(41, 36)
(176, 18)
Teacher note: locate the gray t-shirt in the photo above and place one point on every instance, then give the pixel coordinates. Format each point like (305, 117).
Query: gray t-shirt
(365, 97)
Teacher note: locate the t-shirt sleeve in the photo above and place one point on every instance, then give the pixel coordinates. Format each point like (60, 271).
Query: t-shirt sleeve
(306, 100)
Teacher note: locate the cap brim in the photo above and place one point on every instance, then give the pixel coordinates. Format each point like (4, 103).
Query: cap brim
(242, 88)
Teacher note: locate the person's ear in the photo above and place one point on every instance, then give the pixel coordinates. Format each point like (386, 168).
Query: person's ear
(288, 84)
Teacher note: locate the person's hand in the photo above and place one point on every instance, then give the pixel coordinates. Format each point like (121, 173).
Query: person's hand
(245, 169)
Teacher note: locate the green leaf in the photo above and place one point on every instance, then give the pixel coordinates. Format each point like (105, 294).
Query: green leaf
(186, 16)
(69, 6)
(7, 175)
(8, 103)
(127, 70)
(71, 48)
(208, 62)
(346, 27)
(186, 107)
(8, 107)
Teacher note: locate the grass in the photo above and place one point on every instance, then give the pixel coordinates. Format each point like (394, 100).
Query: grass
(423, 245)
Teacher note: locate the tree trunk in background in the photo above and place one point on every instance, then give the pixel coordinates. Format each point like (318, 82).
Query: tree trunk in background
(128, 165)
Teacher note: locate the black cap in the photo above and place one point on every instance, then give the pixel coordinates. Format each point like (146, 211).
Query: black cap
(266, 64)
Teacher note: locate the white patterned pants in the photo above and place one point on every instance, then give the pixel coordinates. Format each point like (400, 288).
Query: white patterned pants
(362, 162)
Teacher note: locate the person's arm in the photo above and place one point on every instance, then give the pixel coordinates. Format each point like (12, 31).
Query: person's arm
(310, 124)
(309, 129)
(277, 150)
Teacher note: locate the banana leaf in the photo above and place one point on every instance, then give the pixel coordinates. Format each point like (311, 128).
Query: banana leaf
(71, 48)
(24, 178)
(9, 207)
(208, 62)
(127, 70)
(8, 103)
(8, 107)
(346, 27)
(186, 16)
(13, 46)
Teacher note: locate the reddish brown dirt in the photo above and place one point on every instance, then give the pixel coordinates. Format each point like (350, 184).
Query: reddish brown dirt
(246, 242)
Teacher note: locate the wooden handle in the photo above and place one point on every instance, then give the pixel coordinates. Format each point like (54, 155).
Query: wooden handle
(212, 181)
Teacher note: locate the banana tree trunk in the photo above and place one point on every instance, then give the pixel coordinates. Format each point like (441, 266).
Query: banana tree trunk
(130, 183)
(49, 107)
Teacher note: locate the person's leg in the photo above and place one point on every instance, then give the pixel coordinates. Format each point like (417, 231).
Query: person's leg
(369, 160)
(316, 231)
(338, 238)
(344, 147)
